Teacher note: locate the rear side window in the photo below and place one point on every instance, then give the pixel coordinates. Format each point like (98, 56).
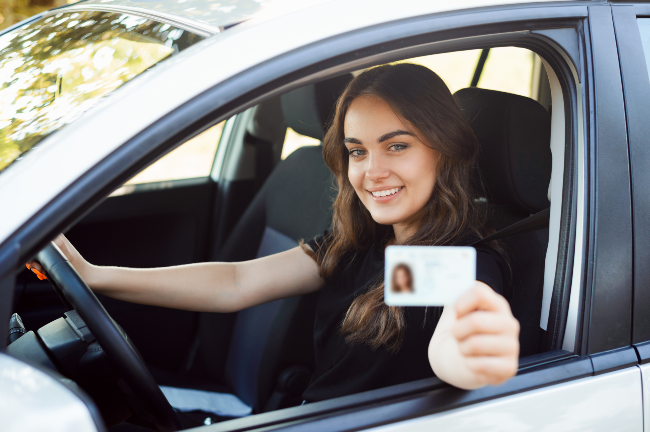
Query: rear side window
(56, 68)
(506, 69)
(293, 141)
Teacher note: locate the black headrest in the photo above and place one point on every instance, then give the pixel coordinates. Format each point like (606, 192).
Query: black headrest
(514, 133)
(307, 109)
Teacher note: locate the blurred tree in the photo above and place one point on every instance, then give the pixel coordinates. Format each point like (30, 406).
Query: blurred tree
(14, 11)
(52, 70)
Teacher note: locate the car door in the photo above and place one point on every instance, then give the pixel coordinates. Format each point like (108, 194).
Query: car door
(161, 217)
(590, 379)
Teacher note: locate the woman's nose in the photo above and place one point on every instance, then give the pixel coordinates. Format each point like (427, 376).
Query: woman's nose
(377, 169)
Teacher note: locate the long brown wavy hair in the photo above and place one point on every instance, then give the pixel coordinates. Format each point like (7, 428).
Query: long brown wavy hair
(422, 100)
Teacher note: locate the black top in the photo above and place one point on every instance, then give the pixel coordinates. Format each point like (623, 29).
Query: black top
(343, 368)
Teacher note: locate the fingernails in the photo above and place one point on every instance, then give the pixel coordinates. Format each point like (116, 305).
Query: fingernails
(28, 267)
(40, 275)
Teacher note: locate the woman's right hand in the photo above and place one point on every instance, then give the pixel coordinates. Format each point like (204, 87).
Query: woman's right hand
(71, 253)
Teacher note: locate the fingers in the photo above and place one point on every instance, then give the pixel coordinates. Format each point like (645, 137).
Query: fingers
(480, 297)
(487, 335)
(480, 322)
(37, 269)
(64, 245)
(492, 370)
(489, 345)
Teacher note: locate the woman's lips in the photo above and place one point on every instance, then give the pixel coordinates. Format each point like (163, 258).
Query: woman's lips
(385, 198)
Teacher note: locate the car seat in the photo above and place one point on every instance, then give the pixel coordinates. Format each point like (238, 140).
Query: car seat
(514, 133)
(270, 357)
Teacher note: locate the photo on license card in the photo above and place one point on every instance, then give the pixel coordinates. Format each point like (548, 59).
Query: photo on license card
(427, 276)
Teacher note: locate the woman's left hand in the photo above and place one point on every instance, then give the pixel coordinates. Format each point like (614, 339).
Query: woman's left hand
(487, 334)
(476, 341)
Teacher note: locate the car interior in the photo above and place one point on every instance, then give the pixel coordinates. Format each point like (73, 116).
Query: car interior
(257, 202)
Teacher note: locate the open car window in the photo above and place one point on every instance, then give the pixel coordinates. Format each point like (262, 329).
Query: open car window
(506, 69)
(54, 69)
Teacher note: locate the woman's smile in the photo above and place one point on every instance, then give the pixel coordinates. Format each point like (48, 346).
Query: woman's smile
(384, 195)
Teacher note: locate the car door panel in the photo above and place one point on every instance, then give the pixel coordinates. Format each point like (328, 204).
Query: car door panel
(163, 227)
(167, 224)
(609, 402)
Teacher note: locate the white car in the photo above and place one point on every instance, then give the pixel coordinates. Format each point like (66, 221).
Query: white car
(163, 132)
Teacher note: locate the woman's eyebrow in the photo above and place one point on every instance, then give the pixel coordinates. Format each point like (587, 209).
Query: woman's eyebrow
(351, 140)
(390, 135)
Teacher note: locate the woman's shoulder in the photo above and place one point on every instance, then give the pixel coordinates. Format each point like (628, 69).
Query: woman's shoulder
(320, 243)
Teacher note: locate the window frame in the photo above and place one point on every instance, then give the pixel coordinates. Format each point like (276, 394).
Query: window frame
(331, 57)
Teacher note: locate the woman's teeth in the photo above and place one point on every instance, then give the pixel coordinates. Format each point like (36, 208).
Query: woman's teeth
(385, 192)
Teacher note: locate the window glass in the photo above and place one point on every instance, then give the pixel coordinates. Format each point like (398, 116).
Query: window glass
(293, 141)
(507, 69)
(192, 159)
(644, 29)
(456, 69)
(54, 69)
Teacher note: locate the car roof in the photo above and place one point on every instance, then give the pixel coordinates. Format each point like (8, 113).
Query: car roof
(208, 15)
(214, 16)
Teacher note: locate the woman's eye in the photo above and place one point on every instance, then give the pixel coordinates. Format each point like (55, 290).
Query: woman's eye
(398, 147)
(354, 153)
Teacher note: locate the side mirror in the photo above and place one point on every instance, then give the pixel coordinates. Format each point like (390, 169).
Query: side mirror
(37, 400)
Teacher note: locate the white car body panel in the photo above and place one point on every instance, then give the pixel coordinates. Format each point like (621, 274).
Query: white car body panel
(212, 16)
(30, 400)
(609, 402)
(645, 377)
(63, 157)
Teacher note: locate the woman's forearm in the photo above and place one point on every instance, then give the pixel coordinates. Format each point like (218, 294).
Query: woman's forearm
(212, 287)
(196, 287)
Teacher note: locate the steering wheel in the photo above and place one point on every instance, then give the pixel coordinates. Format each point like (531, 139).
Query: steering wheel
(124, 357)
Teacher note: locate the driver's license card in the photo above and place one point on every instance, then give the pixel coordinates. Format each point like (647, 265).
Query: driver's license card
(427, 276)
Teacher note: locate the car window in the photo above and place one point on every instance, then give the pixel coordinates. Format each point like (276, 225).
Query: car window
(54, 69)
(506, 69)
(192, 159)
(293, 141)
(644, 30)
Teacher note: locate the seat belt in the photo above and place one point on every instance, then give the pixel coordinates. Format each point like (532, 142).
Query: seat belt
(538, 221)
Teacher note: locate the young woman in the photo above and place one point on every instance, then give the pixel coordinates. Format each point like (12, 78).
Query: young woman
(402, 281)
(403, 157)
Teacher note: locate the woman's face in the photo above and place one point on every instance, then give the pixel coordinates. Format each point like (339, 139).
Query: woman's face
(391, 169)
(403, 280)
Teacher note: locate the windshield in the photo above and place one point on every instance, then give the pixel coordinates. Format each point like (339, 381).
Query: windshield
(54, 69)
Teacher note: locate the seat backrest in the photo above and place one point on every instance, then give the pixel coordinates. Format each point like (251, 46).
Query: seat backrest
(514, 133)
(294, 203)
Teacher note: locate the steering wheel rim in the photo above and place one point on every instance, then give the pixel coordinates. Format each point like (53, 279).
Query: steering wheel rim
(124, 358)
